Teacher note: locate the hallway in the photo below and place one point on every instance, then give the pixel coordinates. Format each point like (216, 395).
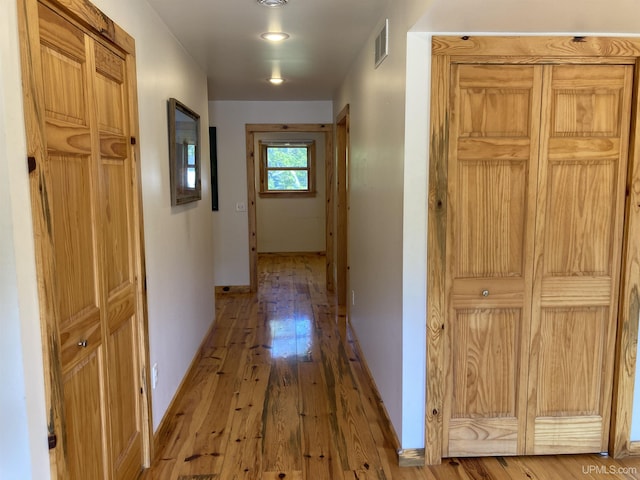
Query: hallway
(280, 392)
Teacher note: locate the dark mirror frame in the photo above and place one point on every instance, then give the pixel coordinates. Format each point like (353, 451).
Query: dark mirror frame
(184, 153)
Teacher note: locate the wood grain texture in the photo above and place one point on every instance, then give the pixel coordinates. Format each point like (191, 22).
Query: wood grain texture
(436, 256)
(276, 394)
(90, 16)
(542, 46)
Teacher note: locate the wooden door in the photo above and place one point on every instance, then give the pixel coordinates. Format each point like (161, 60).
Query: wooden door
(578, 249)
(492, 188)
(85, 227)
(537, 164)
(342, 208)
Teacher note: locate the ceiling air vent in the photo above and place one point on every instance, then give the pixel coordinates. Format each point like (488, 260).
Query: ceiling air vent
(382, 43)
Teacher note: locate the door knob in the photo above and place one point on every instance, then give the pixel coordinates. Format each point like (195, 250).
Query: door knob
(83, 344)
(485, 293)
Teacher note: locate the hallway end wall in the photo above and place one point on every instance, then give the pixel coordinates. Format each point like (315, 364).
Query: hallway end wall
(230, 227)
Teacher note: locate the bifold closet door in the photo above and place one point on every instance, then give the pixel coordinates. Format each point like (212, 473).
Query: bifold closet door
(536, 172)
(87, 189)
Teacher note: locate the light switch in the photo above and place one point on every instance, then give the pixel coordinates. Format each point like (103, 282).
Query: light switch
(241, 207)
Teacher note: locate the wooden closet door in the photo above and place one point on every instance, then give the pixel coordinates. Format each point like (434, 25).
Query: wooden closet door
(72, 198)
(580, 213)
(86, 191)
(493, 152)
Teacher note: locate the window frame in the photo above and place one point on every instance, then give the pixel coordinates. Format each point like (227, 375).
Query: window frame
(310, 145)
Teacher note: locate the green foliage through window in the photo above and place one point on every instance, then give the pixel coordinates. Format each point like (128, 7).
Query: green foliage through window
(287, 168)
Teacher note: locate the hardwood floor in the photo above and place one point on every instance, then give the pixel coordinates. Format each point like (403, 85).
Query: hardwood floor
(280, 391)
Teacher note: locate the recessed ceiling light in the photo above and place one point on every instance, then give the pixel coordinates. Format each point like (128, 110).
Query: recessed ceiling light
(273, 3)
(275, 36)
(276, 80)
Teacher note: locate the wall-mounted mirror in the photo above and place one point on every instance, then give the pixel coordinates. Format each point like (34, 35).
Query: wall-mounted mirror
(184, 153)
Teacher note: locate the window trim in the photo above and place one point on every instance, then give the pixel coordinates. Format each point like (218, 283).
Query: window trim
(310, 145)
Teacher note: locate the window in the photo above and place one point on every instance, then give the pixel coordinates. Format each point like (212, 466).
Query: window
(287, 168)
(190, 162)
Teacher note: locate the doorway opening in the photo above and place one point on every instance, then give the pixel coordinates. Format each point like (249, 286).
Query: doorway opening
(255, 132)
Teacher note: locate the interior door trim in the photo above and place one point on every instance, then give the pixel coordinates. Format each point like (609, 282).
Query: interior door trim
(342, 206)
(595, 50)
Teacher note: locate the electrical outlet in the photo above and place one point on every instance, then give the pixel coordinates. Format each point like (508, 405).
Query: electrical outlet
(154, 376)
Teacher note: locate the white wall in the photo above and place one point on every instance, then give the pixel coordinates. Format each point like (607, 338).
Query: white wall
(230, 228)
(387, 225)
(293, 224)
(178, 241)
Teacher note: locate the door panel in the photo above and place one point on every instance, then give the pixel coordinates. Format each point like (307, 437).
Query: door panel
(117, 234)
(82, 395)
(491, 190)
(578, 250)
(125, 417)
(570, 358)
(72, 224)
(71, 194)
(485, 333)
(581, 204)
(491, 198)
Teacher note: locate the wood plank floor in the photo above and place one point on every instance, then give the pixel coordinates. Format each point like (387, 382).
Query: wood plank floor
(280, 392)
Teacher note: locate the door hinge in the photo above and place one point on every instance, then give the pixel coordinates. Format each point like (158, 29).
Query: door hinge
(53, 441)
(133, 140)
(31, 163)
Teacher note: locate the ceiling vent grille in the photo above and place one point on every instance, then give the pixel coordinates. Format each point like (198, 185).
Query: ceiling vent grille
(382, 43)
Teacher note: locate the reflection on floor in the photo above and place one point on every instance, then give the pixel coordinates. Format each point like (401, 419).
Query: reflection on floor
(280, 391)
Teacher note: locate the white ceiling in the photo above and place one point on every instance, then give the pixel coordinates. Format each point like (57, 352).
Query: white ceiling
(223, 36)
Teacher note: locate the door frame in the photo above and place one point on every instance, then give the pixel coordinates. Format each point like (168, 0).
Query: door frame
(342, 206)
(95, 23)
(251, 129)
(594, 50)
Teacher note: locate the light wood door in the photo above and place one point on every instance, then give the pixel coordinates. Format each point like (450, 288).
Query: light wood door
(537, 163)
(492, 192)
(85, 188)
(578, 249)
